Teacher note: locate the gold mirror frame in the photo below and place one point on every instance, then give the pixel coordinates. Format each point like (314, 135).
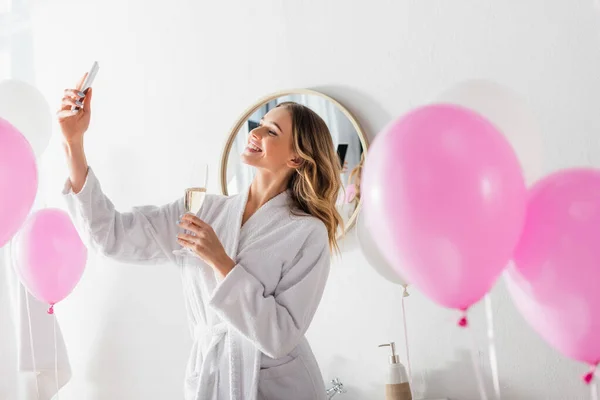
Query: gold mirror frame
(252, 109)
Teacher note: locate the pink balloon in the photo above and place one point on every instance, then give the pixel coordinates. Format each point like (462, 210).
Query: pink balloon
(18, 180)
(50, 256)
(556, 272)
(445, 197)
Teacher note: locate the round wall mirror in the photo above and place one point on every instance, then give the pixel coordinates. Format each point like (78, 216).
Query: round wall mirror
(348, 138)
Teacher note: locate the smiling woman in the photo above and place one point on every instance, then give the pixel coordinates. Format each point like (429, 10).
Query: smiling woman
(248, 313)
(269, 145)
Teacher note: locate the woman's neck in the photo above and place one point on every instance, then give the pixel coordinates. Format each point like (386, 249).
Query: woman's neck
(265, 186)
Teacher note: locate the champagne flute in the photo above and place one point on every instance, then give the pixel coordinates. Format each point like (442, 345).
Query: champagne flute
(194, 198)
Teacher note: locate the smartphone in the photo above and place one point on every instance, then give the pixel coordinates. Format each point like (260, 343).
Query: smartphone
(89, 79)
(342, 149)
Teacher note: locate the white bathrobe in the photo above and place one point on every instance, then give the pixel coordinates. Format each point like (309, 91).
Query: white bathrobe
(249, 328)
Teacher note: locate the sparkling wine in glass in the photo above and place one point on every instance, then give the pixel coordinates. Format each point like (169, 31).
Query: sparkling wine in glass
(194, 198)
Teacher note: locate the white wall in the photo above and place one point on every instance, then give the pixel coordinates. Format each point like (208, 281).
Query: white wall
(175, 75)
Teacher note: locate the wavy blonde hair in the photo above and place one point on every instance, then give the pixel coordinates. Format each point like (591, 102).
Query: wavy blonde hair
(316, 185)
(356, 176)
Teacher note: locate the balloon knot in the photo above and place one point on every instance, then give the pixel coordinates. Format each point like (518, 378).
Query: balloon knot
(589, 377)
(51, 309)
(405, 294)
(463, 322)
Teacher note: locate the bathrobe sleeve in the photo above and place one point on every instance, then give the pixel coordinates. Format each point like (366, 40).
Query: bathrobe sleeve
(276, 323)
(144, 235)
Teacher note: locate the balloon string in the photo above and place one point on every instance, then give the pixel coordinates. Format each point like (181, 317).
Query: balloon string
(476, 366)
(56, 360)
(492, 345)
(408, 365)
(594, 391)
(35, 371)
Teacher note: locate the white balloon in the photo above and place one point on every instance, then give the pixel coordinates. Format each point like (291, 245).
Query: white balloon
(509, 113)
(373, 255)
(27, 110)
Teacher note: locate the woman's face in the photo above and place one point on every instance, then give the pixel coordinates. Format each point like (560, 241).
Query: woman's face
(270, 145)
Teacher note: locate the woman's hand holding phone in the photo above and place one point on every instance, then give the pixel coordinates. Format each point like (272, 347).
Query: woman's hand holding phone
(74, 119)
(74, 123)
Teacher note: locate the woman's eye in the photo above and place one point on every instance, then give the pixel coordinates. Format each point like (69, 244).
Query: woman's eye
(272, 133)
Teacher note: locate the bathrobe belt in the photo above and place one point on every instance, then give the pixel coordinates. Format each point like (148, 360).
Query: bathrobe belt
(209, 339)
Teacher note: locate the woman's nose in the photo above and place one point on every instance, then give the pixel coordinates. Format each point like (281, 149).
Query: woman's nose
(257, 133)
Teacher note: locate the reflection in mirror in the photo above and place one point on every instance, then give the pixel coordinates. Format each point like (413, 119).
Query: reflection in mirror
(348, 140)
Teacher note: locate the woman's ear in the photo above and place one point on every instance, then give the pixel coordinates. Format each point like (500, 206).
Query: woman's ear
(295, 162)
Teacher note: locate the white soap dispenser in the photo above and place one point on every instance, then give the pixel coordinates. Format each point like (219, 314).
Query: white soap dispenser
(397, 386)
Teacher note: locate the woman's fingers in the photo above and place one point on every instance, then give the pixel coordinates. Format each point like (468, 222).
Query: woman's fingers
(192, 219)
(194, 224)
(188, 238)
(74, 93)
(185, 243)
(66, 108)
(197, 230)
(72, 98)
(190, 227)
(70, 101)
(191, 242)
(73, 101)
(63, 114)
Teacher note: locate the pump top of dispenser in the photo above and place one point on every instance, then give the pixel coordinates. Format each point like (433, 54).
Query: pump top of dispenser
(394, 358)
